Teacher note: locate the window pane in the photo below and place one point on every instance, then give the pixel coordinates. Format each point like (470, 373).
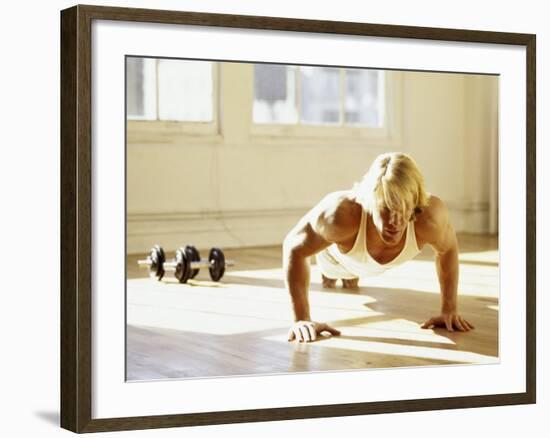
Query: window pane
(364, 104)
(185, 90)
(140, 88)
(274, 94)
(134, 86)
(320, 90)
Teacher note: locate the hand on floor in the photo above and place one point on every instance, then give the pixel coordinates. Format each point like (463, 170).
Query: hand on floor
(308, 331)
(450, 321)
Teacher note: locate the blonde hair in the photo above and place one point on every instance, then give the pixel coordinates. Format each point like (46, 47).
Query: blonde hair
(393, 181)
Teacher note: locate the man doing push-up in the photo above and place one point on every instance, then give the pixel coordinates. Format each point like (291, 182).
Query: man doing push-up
(382, 222)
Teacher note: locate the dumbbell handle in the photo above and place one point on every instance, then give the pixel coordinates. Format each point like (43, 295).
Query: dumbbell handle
(146, 262)
(172, 264)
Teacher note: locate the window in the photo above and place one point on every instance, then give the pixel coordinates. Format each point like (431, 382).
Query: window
(170, 90)
(173, 100)
(319, 96)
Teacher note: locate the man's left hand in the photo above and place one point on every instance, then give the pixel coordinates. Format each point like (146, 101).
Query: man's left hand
(450, 321)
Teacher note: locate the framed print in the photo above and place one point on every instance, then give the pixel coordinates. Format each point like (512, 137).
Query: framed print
(305, 218)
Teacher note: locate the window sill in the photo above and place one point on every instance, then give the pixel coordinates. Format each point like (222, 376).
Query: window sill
(171, 132)
(324, 135)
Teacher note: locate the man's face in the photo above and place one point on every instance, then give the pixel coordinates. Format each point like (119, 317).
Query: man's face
(391, 225)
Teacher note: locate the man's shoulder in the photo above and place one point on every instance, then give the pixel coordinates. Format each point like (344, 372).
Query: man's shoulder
(338, 215)
(340, 208)
(432, 219)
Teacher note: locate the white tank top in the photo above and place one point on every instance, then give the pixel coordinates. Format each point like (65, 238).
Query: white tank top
(358, 260)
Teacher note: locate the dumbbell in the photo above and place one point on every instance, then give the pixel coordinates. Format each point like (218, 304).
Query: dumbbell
(155, 262)
(188, 262)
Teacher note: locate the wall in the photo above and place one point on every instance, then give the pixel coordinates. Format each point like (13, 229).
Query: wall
(450, 126)
(241, 188)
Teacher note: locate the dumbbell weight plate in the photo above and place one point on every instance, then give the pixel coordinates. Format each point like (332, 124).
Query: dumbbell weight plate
(193, 255)
(157, 258)
(183, 267)
(217, 264)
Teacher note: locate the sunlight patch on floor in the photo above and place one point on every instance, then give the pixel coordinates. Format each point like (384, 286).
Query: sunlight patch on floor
(197, 321)
(480, 257)
(395, 349)
(397, 329)
(230, 309)
(227, 290)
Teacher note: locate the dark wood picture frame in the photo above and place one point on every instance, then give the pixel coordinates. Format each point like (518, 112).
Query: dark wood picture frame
(76, 217)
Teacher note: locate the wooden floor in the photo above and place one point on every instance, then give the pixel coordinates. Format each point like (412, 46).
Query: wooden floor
(239, 325)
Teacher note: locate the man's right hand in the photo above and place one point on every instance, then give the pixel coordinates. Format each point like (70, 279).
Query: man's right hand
(308, 331)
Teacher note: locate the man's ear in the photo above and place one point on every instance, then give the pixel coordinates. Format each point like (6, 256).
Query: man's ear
(416, 212)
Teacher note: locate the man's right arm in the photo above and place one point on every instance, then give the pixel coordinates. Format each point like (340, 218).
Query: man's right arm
(300, 244)
(315, 232)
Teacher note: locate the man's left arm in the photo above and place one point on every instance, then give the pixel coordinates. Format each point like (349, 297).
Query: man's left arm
(445, 245)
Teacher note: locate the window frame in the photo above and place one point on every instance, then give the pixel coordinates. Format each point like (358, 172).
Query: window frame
(143, 130)
(387, 136)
